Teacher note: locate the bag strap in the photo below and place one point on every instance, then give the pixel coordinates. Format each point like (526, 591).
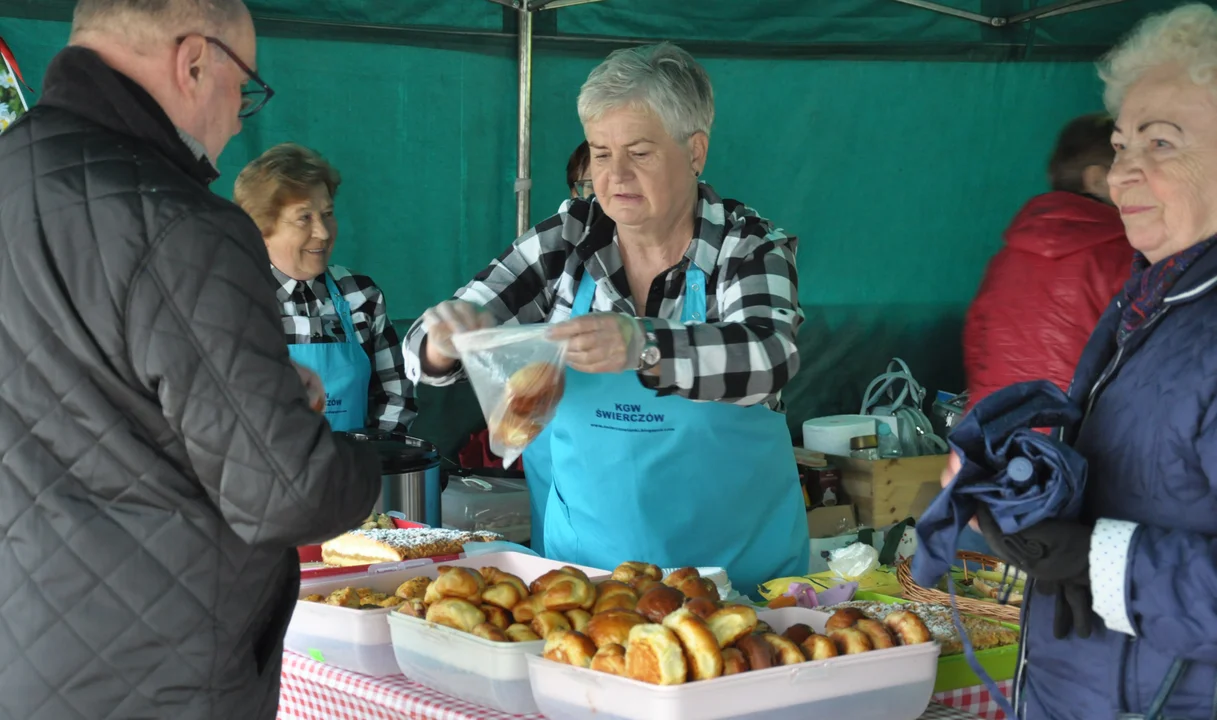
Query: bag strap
(891, 541)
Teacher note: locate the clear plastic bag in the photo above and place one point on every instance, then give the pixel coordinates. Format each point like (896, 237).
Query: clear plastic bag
(518, 374)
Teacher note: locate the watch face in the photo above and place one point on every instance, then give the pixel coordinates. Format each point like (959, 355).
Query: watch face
(650, 356)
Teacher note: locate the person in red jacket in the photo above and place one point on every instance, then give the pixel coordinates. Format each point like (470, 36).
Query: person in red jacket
(1065, 258)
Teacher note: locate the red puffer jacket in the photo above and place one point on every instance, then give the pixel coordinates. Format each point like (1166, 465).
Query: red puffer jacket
(1065, 258)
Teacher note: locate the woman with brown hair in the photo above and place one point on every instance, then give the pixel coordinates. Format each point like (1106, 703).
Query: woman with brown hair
(336, 322)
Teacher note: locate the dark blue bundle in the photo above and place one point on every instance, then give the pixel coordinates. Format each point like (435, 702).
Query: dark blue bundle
(1022, 476)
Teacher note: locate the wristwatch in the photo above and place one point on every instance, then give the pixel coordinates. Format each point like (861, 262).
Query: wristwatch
(649, 357)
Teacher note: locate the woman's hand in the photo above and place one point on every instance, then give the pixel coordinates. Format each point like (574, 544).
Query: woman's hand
(601, 342)
(441, 322)
(313, 386)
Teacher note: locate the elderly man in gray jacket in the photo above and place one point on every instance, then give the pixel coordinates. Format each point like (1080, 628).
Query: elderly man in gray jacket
(159, 459)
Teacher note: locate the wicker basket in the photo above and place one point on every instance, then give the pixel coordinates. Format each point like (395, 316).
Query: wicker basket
(969, 606)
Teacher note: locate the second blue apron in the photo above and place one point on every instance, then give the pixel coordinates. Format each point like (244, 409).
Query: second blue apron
(670, 481)
(344, 369)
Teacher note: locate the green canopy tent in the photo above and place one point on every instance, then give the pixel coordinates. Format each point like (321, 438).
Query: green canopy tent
(896, 138)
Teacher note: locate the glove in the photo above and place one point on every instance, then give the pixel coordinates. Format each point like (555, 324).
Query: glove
(452, 317)
(1055, 554)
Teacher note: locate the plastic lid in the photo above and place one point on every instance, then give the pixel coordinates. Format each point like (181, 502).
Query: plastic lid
(398, 453)
(862, 442)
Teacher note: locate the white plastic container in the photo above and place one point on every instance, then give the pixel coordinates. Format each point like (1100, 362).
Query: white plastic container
(493, 674)
(359, 640)
(481, 503)
(891, 684)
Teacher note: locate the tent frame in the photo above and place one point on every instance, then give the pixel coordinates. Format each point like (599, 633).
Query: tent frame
(526, 9)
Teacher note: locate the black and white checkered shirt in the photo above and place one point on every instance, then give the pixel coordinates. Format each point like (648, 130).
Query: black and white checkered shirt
(309, 317)
(744, 352)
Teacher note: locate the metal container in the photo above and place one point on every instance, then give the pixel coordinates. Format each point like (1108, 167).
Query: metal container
(409, 475)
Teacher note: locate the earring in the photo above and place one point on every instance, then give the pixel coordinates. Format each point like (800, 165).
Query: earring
(697, 173)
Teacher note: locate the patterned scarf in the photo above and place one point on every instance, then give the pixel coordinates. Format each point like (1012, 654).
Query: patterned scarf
(1149, 285)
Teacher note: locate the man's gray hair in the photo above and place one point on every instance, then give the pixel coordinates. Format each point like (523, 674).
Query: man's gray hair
(178, 14)
(1185, 36)
(662, 78)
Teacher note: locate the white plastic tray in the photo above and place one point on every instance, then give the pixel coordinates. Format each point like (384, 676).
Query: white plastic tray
(891, 684)
(484, 672)
(359, 640)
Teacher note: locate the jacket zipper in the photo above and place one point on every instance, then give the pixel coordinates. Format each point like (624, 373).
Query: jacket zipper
(1115, 362)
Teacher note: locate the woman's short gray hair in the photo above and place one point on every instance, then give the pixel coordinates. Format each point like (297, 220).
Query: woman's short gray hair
(1186, 36)
(662, 77)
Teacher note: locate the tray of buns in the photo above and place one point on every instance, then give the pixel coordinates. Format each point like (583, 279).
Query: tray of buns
(342, 621)
(673, 651)
(466, 628)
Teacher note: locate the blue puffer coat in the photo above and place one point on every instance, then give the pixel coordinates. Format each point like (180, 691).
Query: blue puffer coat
(1150, 436)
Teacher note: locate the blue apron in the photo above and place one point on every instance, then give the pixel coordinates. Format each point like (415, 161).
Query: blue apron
(344, 368)
(670, 481)
(537, 473)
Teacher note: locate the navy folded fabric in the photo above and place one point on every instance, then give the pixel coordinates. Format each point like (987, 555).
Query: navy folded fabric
(1022, 476)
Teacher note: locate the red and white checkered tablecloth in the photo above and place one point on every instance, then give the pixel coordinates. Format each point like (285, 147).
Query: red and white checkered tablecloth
(313, 691)
(977, 701)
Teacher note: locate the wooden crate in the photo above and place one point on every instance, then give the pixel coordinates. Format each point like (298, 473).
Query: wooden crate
(888, 491)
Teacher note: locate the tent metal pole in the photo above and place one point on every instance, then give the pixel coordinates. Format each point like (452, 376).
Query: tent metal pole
(954, 12)
(1062, 8)
(523, 184)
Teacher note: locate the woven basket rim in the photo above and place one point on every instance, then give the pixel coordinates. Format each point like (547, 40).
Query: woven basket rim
(968, 606)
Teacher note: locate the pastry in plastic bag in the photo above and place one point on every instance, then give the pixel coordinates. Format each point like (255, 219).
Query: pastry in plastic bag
(518, 374)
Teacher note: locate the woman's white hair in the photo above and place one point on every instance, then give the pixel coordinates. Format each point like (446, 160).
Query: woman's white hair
(1186, 36)
(663, 78)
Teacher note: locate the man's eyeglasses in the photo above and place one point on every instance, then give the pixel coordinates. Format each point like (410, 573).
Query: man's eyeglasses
(256, 93)
(584, 188)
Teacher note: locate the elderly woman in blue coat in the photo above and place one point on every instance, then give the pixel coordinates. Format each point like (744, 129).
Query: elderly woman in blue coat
(1124, 622)
(680, 307)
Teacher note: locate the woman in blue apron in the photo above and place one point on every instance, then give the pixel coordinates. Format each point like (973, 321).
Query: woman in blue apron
(336, 322)
(680, 310)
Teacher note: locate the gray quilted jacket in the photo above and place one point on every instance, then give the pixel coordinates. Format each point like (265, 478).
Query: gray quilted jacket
(158, 459)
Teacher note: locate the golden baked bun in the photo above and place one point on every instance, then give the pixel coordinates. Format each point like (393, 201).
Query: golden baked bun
(679, 576)
(734, 662)
(314, 598)
(731, 623)
(345, 597)
(699, 587)
(495, 576)
(797, 633)
(610, 659)
(548, 622)
(456, 582)
(613, 627)
(487, 631)
(908, 627)
(535, 389)
(497, 616)
(572, 570)
(702, 652)
(456, 613)
(413, 589)
(515, 431)
(542, 583)
(579, 618)
(702, 607)
(614, 595)
(880, 638)
(504, 595)
(851, 641)
(628, 571)
(390, 602)
(843, 618)
(818, 647)
(569, 593)
(763, 627)
(654, 655)
(570, 647)
(759, 654)
(786, 651)
(527, 609)
(659, 602)
(520, 633)
(643, 583)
